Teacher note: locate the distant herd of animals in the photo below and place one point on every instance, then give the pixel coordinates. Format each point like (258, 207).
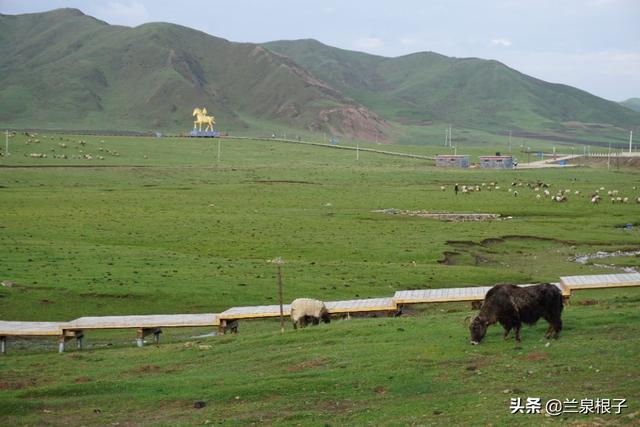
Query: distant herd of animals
(542, 191)
(510, 305)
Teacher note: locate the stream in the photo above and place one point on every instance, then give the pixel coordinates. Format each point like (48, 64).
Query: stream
(585, 259)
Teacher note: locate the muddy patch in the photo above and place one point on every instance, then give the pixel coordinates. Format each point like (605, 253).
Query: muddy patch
(497, 251)
(308, 364)
(17, 384)
(283, 181)
(537, 356)
(444, 216)
(515, 251)
(146, 370)
(588, 301)
(116, 296)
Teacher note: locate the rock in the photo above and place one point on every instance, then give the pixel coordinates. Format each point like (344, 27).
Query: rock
(7, 283)
(199, 404)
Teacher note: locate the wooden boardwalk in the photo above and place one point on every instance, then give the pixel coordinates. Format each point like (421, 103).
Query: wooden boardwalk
(362, 305)
(471, 294)
(36, 329)
(254, 312)
(334, 307)
(228, 320)
(601, 281)
(28, 329)
(423, 296)
(148, 321)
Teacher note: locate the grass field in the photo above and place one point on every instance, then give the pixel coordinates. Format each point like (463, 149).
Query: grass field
(165, 228)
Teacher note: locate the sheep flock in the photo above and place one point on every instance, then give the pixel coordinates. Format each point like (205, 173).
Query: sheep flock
(544, 191)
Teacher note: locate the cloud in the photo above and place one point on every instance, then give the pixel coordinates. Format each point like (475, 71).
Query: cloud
(124, 13)
(407, 41)
(368, 43)
(501, 41)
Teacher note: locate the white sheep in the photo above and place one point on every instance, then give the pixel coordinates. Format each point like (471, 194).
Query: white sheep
(308, 310)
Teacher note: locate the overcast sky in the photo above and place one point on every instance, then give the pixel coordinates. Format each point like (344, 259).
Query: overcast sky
(590, 44)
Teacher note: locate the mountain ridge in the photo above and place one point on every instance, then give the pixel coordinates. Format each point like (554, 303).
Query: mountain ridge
(65, 69)
(153, 75)
(472, 91)
(632, 103)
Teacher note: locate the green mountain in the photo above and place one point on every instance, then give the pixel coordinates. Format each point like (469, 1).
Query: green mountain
(63, 69)
(632, 103)
(469, 92)
(68, 70)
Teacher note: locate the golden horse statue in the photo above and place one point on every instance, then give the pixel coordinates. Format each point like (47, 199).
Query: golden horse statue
(201, 117)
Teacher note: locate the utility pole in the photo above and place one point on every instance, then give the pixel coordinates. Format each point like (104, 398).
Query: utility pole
(279, 262)
(6, 142)
(450, 143)
(357, 151)
(609, 157)
(630, 140)
(509, 141)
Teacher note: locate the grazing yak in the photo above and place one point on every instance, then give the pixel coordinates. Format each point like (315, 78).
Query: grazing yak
(512, 306)
(306, 311)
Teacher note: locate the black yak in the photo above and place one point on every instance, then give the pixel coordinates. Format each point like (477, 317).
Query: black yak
(512, 306)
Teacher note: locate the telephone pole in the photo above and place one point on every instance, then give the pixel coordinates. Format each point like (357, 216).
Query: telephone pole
(279, 262)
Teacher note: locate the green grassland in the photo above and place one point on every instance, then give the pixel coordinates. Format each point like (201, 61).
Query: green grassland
(164, 227)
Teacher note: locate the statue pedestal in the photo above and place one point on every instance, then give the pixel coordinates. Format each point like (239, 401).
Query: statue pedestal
(204, 134)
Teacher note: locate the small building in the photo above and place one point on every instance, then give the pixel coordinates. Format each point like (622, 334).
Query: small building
(457, 161)
(496, 162)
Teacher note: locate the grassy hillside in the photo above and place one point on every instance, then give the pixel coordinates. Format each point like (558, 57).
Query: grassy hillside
(468, 92)
(417, 370)
(632, 103)
(63, 69)
(67, 70)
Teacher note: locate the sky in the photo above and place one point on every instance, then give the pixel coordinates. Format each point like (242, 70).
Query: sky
(593, 45)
